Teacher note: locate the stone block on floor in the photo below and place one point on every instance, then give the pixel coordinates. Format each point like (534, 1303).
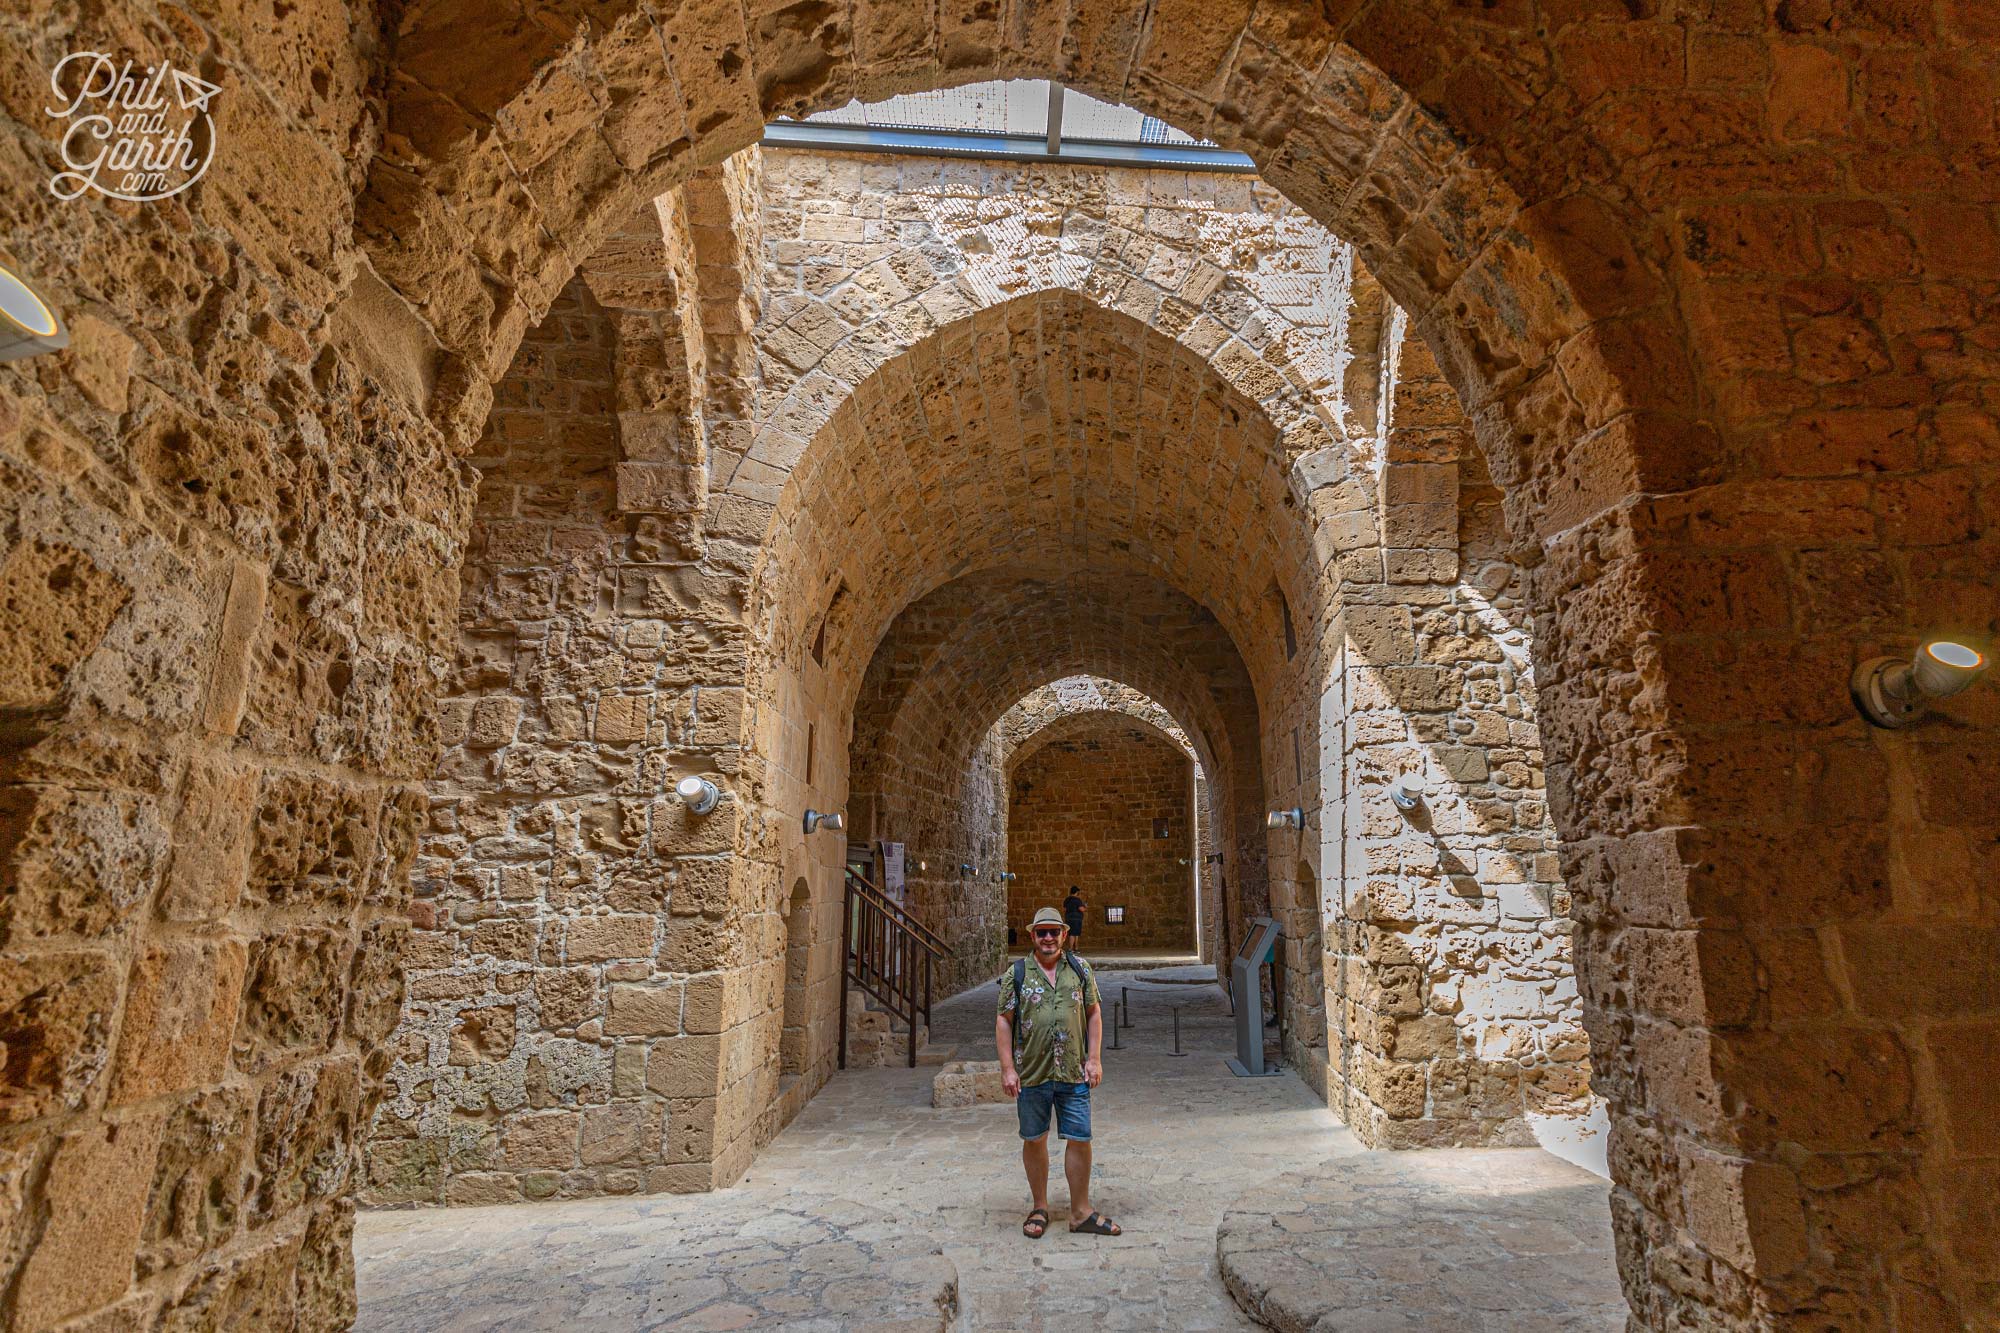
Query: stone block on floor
(967, 1083)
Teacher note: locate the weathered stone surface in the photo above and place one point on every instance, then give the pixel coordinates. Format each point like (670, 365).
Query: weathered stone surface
(725, 1262)
(85, 1257)
(56, 1022)
(1716, 297)
(180, 1013)
(1512, 1235)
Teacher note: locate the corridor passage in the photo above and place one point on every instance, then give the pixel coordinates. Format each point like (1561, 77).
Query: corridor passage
(860, 1212)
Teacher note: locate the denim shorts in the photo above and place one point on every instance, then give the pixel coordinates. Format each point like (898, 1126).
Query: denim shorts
(1069, 1101)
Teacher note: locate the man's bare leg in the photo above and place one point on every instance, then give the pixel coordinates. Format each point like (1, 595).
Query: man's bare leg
(1076, 1170)
(1035, 1158)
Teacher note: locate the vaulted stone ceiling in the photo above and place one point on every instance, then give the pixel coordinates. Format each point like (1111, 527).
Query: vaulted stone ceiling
(1049, 436)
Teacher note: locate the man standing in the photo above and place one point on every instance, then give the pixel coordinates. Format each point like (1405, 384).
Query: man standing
(1050, 1031)
(1073, 916)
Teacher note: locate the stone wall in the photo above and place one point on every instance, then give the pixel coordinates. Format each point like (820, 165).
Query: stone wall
(564, 1004)
(1104, 803)
(1082, 694)
(1450, 974)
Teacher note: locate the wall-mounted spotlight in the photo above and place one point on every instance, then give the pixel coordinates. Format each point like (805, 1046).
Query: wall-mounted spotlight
(1292, 818)
(1407, 792)
(699, 795)
(1892, 693)
(831, 819)
(967, 870)
(1004, 877)
(29, 325)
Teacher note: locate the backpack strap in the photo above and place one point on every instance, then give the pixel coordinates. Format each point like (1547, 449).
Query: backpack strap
(1020, 982)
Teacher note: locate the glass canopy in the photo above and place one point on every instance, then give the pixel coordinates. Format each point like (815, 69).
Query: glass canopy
(1027, 119)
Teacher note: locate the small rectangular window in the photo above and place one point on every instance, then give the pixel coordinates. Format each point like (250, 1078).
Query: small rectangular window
(1291, 636)
(819, 644)
(811, 736)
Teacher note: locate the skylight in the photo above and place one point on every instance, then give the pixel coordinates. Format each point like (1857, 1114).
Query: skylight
(1026, 119)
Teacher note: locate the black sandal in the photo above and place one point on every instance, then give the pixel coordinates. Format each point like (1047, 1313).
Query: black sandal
(1097, 1225)
(1041, 1213)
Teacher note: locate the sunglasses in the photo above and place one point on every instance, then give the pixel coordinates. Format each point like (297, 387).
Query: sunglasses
(1050, 933)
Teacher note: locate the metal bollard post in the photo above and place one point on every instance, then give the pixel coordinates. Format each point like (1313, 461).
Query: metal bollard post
(1177, 1031)
(1114, 1035)
(1125, 1006)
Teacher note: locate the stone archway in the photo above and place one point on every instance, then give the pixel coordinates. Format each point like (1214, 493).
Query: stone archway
(1711, 388)
(1104, 801)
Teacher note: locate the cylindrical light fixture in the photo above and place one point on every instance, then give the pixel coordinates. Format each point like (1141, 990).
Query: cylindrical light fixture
(1292, 818)
(1893, 693)
(29, 325)
(831, 819)
(1407, 792)
(698, 794)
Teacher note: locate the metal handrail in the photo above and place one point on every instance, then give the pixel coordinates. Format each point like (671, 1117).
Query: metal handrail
(889, 954)
(925, 935)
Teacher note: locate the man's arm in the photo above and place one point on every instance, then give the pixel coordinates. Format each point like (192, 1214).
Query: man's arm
(1093, 1068)
(1003, 1038)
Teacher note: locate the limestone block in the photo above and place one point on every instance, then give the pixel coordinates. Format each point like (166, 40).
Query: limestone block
(294, 997)
(967, 1083)
(83, 862)
(691, 1129)
(621, 719)
(676, 832)
(494, 721)
(211, 842)
(483, 1035)
(541, 1139)
(85, 1256)
(478, 1188)
(306, 1121)
(180, 1013)
(616, 1133)
(56, 603)
(199, 1178)
(951, 1090)
(566, 996)
(590, 939)
(644, 1011)
(628, 1069)
(683, 1066)
(409, 1171)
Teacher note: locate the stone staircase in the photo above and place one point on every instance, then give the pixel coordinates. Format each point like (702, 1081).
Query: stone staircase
(877, 1039)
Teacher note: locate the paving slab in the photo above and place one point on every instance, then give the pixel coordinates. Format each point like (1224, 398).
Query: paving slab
(689, 1263)
(1470, 1241)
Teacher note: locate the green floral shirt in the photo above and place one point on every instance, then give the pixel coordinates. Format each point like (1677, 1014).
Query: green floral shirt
(1052, 1021)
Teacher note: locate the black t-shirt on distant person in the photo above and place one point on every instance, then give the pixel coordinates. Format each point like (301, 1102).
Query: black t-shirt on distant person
(1073, 913)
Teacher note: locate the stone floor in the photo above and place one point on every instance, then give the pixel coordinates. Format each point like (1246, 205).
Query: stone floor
(1179, 1142)
(738, 1259)
(1512, 1241)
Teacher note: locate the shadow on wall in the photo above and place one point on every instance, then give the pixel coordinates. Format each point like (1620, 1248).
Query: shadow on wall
(1451, 978)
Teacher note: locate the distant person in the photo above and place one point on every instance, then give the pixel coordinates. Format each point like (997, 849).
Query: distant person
(1073, 916)
(1049, 1031)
